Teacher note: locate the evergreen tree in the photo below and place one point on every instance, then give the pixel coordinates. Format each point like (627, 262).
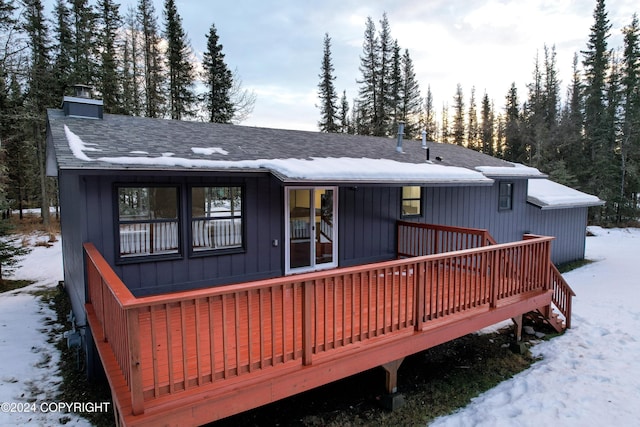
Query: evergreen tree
(63, 49)
(595, 63)
(608, 164)
(343, 116)
(630, 137)
(430, 125)
(327, 92)
(514, 147)
(472, 123)
(83, 52)
(410, 99)
(368, 103)
(41, 89)
(458, 116)
(533, 131)
(217, 79)
(396, 93)
(445, 132)
(153, 69)
(110, 84)
(383, 125)
(570, 148)
(486, 127)
(132, 64)
(181, 97)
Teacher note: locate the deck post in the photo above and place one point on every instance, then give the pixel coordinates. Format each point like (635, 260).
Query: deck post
(135, 370)
(391, 370)
(307, 339)
(495, 277)
(420, 281)
(517, 320)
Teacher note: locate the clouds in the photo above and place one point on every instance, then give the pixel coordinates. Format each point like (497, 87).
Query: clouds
(276, 46)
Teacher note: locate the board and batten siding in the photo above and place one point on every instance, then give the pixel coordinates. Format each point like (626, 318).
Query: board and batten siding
(262, 224)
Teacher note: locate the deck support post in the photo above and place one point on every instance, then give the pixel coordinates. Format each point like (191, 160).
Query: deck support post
(307, 339)
(517, 320)
(391, 369)
(392, 400)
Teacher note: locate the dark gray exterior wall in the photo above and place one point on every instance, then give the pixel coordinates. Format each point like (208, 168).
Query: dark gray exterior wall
(478, 207)
(567, 225)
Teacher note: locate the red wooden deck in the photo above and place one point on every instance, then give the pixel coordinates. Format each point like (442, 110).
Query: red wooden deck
(192, 357)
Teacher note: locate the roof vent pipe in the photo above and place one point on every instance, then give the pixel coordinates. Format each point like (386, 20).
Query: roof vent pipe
(400, 134)
(424, 138)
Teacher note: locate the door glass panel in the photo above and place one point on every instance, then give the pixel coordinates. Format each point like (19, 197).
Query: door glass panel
(324, 226)
(300, 228)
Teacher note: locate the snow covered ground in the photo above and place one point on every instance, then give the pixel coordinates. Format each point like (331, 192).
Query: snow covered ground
(28, 368)
(590, 376)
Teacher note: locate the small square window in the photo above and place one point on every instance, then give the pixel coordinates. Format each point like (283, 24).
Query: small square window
(505, 199)
(411, 201)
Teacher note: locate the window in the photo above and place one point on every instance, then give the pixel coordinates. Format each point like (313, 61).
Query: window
(216, 218)
(505, 199)
(148, 221)
(411, 201)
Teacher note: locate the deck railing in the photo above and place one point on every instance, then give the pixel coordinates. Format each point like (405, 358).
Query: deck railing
(169, 343)
(418, 239)
(562, 295)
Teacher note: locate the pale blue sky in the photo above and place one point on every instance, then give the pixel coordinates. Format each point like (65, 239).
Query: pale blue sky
(277, 45)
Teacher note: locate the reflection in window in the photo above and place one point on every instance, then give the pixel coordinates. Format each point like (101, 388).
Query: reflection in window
(411, 201)
(216, 218)
(505, 200)
(148, 221)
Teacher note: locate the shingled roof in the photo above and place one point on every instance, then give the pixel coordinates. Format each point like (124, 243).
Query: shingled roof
(118, 142)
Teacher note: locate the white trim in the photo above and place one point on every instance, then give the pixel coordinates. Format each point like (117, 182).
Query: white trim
(287, 232)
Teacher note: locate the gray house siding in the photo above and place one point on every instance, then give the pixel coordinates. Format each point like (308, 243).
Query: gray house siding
(567, 225)
(367, 224)
(262, 224)
(73, 221)
(477, 207)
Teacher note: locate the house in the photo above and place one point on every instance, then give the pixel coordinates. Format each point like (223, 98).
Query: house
(217, 264)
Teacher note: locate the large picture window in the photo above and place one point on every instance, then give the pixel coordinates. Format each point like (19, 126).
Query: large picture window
(411, 201)
(216, 218)
(148, 221)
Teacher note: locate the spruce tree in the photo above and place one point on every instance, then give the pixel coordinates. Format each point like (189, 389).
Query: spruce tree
(383, 124)
(410, 99)
(181, 71)
(327, 91)
(630, 137)
(110, 84)
(153, 68)
(570, 148)
(457, 131)
(514, 148)
(396, 92)
(84, 68)
(487, 126)
(430, 125)
(595, 63)
(40, 92)
(132, 66)
(472, 123)
(368, 103)
(445, 131)
(63, 48)
(343, 116)
(218, 81)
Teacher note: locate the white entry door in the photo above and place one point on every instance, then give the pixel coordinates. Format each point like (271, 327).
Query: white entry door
(311, 228)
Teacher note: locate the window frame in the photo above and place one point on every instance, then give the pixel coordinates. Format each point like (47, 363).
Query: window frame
(420, 199)
(146, 257)
(190, 218)
(504, 197)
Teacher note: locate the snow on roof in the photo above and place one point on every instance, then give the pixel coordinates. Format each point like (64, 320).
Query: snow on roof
(518, 170)
(547, 194)
(313, 169)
